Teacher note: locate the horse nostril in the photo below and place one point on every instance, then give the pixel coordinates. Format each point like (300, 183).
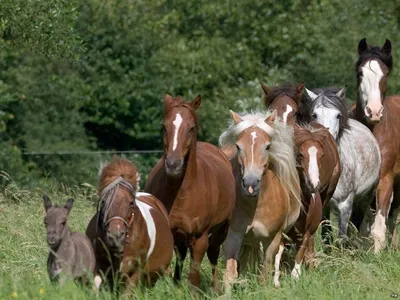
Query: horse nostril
(368, 111)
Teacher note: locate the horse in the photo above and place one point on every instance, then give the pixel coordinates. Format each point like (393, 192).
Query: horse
(358, 150)
(319, 175)
(285, 100)
(130, 231)
(381, 115)
(71, 253)
(268, 199)
(194, 181)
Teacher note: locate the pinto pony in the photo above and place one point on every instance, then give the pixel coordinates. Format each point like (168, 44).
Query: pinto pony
(130, 232)
(194, 181)
(268, 198)
(381, 115)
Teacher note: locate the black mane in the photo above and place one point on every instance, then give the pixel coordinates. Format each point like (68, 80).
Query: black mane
(372, 53)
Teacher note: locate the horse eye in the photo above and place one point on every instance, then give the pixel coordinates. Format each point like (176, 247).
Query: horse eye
(339, 116)
(314, 115)
(267, 147)
(193, 129)
(237, 148)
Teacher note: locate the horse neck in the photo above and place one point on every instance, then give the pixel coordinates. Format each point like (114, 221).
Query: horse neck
(175, 185)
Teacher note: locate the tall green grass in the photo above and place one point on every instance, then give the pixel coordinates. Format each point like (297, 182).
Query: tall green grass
(343, 274)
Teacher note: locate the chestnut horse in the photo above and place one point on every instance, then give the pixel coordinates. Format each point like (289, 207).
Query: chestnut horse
(130, 232)
(194, 181)
(319, 175)
(268, 198)
(382, 116)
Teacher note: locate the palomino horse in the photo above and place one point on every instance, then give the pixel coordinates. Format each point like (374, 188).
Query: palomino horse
(268, 198)
(194, 181)
(358, 150)
(285, 100)
(382, 116)
(130, 232)
(319, 175)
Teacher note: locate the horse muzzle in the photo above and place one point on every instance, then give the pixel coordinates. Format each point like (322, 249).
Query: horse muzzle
(251, 186)
(174, 166)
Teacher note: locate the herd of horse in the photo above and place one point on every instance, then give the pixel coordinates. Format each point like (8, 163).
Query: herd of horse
(274, 178)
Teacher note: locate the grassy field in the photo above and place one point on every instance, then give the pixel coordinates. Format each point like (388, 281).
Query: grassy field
(23, 253)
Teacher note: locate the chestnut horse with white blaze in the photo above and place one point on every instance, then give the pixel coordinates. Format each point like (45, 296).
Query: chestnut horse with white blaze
(319, 175)
(194, 181)
(268, 197)
(130, 232)
(382, 115)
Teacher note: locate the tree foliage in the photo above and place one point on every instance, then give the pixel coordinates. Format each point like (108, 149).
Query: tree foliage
(92, 75)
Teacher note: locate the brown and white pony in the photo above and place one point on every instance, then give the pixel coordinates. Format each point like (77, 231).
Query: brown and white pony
(268, 198)
(382, 115)
(194, 181)
(130, 232)
(319, 175)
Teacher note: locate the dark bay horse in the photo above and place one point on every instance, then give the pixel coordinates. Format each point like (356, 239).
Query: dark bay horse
(382, 115)
(268, 197)
(71, 253)
(130, 232)
(194, 181)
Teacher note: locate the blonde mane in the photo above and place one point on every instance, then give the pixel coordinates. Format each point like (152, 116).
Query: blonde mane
(282, 153)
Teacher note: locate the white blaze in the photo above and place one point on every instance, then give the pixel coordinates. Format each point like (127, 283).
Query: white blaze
(254, 136)
(177, 123)
(369, 86)
(313, 171)
(289, 109)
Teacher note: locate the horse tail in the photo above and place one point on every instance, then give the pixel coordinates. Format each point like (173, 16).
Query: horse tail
(119, 167)
(250, 257)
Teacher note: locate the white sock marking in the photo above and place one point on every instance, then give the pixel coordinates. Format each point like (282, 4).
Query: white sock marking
(378, 231)
(289, 109)
(369, 86)
(97, 281)
(151, 227)
(313, 171)
(277, 273)
(296, 272)
(177, 123)
(254, 136)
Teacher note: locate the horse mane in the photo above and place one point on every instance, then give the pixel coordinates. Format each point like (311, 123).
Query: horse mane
(287, 89)
(307, 132)
(327, 97)
(282, 153)
(118, 167)
(373, 53)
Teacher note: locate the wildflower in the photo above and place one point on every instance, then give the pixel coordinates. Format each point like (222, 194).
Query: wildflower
(14, 295)
(41, 291)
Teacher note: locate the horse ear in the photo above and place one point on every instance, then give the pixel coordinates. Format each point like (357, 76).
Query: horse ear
(168, 99)
(236, 118)
(363, 46)
(196, 102)
(387, 47)
(265, 88)
(69, 204)
(311, 95)
(47, 203)
(271, 118)
(342, 92)
(300, 90)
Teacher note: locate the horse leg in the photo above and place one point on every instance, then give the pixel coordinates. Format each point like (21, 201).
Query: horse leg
(326, 231)
(300, 255)
(272, 250)
(180, 251)
(277, 263)
(231, 249)
(393, 215)
(309, 256)
(383, 197)
(197, 251)
(345, 209)
(130, 283)
(215, 241)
